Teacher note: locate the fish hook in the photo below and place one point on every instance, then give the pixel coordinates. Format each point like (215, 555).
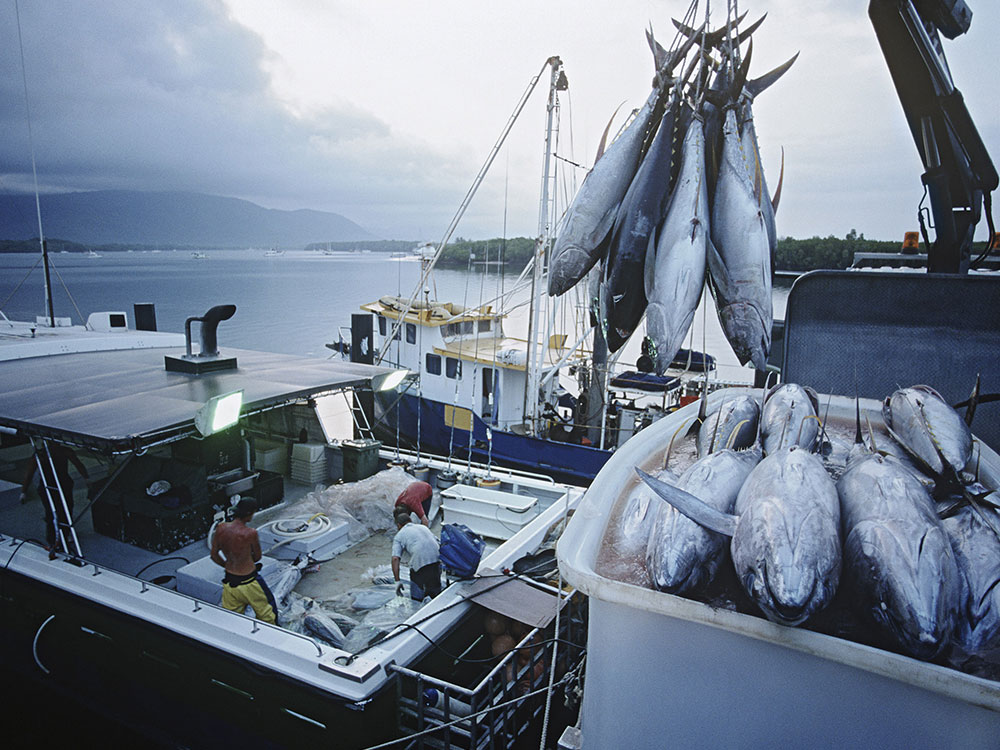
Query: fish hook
(734, 433)
(802, 424)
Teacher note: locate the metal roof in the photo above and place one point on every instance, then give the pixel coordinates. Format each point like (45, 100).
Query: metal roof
(120, 400)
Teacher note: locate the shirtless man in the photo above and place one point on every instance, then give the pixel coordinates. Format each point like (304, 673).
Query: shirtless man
(236, 547)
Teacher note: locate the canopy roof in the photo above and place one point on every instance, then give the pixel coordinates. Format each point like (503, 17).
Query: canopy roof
(121, 400)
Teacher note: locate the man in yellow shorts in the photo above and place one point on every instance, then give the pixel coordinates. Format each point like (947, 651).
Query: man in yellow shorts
(236, 547)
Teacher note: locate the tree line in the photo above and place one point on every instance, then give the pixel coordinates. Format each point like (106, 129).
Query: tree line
(514, 252)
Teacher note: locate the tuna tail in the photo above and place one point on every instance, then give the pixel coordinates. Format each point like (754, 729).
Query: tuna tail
(757, 85)
(781, 178)
(718, 36)
(660, 55)
(691, 506)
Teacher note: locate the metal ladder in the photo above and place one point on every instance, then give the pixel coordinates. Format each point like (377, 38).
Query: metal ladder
(364, 428)
(66, 538)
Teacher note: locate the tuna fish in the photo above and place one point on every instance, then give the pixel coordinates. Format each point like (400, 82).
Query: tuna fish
(930, 430)
(641, 211)
(732, 425)
(287, 580)
(790, 417)
(739, 256)
(751, 150)
(897, 554)
(675, 261)
(583, 235)
(682, 555)
(786, 545)
(977, 553)
(324, 628)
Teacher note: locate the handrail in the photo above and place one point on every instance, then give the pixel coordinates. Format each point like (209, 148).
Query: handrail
(199, 604)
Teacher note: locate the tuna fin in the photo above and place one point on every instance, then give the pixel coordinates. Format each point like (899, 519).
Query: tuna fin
(757, 85)
(649, 266)
(691, 506)
(718, 274)
(604, 136)
(970, 410)
(781, 178)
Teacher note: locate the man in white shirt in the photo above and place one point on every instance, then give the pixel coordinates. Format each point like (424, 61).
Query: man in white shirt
(425, 566)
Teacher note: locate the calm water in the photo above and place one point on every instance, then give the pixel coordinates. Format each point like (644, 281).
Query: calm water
(294, 303)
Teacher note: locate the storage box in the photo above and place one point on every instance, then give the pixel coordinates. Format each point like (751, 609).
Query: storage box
(217, 453)
(268, 490)
(489, 513)
(147, 524)
(360, 458)
(270, 456)
(202, 578)
(107, 517)
(665, 661)
(279, 539)
(234, 482)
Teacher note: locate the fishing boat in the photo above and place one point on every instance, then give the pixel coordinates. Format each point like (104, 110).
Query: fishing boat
(120, 612)
(273, 253)
(197, 254)
(539, 400)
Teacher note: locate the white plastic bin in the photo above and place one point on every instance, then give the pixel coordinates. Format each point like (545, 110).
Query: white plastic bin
(666, 671)
(489, 513)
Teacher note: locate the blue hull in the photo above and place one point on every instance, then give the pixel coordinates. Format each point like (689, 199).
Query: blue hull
(571, 463)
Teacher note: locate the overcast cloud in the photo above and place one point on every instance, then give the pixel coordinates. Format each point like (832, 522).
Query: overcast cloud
(383, 111)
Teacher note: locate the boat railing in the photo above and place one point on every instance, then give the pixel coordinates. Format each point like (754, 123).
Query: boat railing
(198, 605)
(507, 702)
(441, 463)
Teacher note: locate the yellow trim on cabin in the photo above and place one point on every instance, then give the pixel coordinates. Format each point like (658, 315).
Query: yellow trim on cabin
(432, 314)
(457, 417)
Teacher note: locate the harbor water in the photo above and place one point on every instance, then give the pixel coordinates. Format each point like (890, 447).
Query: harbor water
(294, 303)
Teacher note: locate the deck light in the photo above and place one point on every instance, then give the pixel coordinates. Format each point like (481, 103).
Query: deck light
(219, 413)
(389, 381)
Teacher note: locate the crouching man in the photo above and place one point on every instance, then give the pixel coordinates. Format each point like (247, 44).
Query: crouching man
(425, 566)
(236, 547)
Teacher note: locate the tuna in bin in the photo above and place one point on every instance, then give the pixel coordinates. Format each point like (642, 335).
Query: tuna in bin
(786, 545)
(911, 582)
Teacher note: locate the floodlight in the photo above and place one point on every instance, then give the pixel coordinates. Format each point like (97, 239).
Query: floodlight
(389, 381)
(219, 413)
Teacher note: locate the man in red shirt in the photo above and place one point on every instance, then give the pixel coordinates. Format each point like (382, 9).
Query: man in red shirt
(416, 498)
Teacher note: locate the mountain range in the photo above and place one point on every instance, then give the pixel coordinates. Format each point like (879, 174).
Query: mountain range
(110, 217)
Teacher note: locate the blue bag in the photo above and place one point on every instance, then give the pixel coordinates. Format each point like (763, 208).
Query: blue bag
(460, 550)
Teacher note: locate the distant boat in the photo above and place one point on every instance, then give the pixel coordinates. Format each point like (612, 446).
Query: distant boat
(94, 254)
(273, 252)
(199, 254)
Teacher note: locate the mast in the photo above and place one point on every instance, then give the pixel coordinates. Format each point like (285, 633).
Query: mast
(34, 172)
(557, 82)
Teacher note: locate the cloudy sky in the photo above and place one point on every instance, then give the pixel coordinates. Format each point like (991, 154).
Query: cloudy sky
(384, 110)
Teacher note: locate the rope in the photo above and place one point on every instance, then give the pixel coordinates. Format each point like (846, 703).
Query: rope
(21, 283)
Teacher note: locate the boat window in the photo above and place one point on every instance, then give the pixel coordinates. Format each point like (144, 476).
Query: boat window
(485, 326)
(381, 325)
(467, 326)
(452, 329)
(411, 333)
(433, 364)
(453, 368)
